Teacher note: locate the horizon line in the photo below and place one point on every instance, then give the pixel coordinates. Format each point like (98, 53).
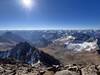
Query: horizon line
(51, 29)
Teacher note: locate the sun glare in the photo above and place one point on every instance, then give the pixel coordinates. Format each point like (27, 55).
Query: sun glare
(28, 3)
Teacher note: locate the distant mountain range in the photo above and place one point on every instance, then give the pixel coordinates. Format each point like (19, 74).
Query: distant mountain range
(9, 40)
(10, 37)
(37, 38)
(44, 38)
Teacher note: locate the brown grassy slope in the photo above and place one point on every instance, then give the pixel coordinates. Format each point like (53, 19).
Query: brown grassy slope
(68, 57)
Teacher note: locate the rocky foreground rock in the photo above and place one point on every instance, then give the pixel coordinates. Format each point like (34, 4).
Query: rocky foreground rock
(24, 69)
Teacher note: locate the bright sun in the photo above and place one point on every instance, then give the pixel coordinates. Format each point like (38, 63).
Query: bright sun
(28, 3)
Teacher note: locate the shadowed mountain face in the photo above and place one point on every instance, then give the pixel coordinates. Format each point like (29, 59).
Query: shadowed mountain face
(27, 54)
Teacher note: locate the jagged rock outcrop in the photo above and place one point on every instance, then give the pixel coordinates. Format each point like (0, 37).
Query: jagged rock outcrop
(25, 53)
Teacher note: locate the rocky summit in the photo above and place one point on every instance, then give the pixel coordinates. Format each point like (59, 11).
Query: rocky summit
(25, 53)
(25, 69)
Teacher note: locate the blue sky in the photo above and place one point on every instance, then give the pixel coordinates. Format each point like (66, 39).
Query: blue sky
(50, 14)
